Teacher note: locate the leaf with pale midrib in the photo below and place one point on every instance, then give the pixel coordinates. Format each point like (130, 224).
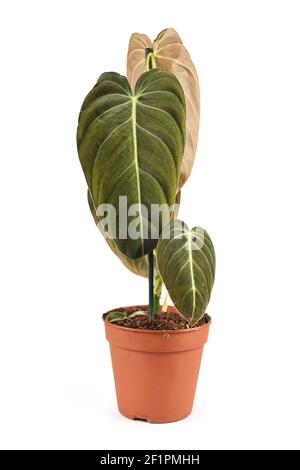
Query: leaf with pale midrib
(169, 53)
(186, 262)
(131, 144)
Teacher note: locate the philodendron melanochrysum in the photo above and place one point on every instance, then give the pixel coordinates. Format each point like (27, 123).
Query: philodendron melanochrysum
(132, 146)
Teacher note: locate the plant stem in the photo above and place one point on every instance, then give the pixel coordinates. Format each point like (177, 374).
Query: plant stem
(148, 58)
(148, 66)
(165, 303)
(157, 285)
(152, 307)
(150, 279)
(156, 304)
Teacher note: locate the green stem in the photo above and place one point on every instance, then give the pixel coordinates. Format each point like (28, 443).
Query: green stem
(148, 58)
(152, 307)
(157, 286)
(156, 304)
(150, 279)
(165, 303)
(153, 299)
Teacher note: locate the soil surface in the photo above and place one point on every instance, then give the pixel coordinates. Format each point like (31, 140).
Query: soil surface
(162, 321)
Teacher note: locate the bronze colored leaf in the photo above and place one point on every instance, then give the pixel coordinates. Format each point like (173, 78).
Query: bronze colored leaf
(170, 54)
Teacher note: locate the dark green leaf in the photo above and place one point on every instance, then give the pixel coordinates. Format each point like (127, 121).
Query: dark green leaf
(186, 262)
(131, 144)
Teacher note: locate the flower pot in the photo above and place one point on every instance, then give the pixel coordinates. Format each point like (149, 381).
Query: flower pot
(155, 371)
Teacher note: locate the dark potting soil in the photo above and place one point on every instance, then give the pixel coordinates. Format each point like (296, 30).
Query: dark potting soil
(162, 321)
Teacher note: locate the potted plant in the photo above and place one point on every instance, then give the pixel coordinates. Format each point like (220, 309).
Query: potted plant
(136, 143)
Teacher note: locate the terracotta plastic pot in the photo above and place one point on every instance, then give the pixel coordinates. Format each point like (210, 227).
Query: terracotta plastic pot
(155, 371)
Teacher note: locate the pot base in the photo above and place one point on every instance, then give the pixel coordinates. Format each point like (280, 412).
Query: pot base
(153, 420)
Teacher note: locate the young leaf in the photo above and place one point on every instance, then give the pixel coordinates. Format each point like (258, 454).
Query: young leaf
(186, 262)
(170, 54)
(131, 144)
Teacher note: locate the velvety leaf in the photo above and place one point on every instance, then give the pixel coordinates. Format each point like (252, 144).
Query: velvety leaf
(170, 54)
(131, 144)
(186, 262)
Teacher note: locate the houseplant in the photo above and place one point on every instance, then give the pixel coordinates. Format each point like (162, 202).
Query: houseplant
(136, 144)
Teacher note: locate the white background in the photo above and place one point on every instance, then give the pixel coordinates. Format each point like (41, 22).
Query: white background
(57, 274)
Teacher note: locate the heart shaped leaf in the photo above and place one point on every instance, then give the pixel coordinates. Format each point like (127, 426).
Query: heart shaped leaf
(170, 54)
(186, 261)
(131, 144)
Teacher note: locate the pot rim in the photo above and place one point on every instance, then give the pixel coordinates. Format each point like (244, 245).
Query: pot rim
(141, 330)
